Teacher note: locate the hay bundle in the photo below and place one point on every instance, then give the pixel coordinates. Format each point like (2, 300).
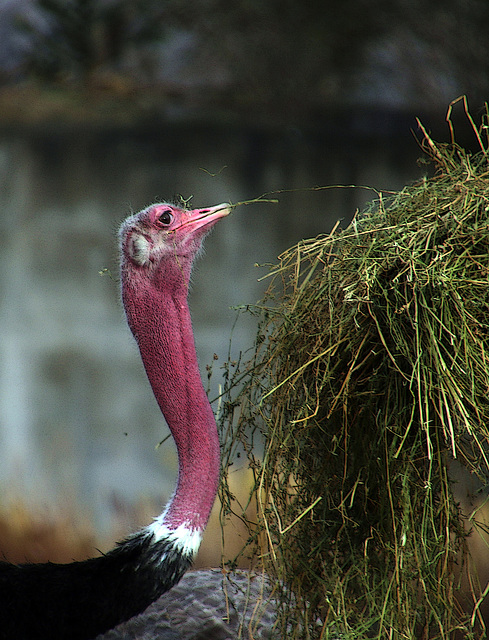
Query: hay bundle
(369, 377)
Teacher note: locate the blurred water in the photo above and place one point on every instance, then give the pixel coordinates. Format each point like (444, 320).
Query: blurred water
(78, 421)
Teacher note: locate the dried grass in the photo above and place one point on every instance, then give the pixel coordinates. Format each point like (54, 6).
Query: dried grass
(369, 376)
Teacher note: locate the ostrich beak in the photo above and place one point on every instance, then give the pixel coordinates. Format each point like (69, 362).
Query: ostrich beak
(197, 218)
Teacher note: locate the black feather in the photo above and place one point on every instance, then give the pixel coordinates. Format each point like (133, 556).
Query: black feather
(80, 600)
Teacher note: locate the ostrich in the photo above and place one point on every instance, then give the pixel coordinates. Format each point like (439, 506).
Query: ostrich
(79, 600)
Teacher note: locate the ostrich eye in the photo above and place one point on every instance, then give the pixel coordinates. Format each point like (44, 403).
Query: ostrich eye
(165, 218)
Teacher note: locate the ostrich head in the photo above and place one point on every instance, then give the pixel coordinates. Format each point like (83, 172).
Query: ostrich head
(162, 241)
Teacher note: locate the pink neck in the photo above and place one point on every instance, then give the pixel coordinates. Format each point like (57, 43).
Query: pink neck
(165, 338)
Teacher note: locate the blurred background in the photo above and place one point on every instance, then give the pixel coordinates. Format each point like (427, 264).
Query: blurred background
(109, 105)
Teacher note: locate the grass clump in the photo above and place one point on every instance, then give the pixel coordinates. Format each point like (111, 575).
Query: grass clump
(369, 378)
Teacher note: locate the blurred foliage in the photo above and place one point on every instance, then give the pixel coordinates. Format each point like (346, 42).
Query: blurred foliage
(73, 38)
(309, 53)
(279, 56)
(284, 49)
